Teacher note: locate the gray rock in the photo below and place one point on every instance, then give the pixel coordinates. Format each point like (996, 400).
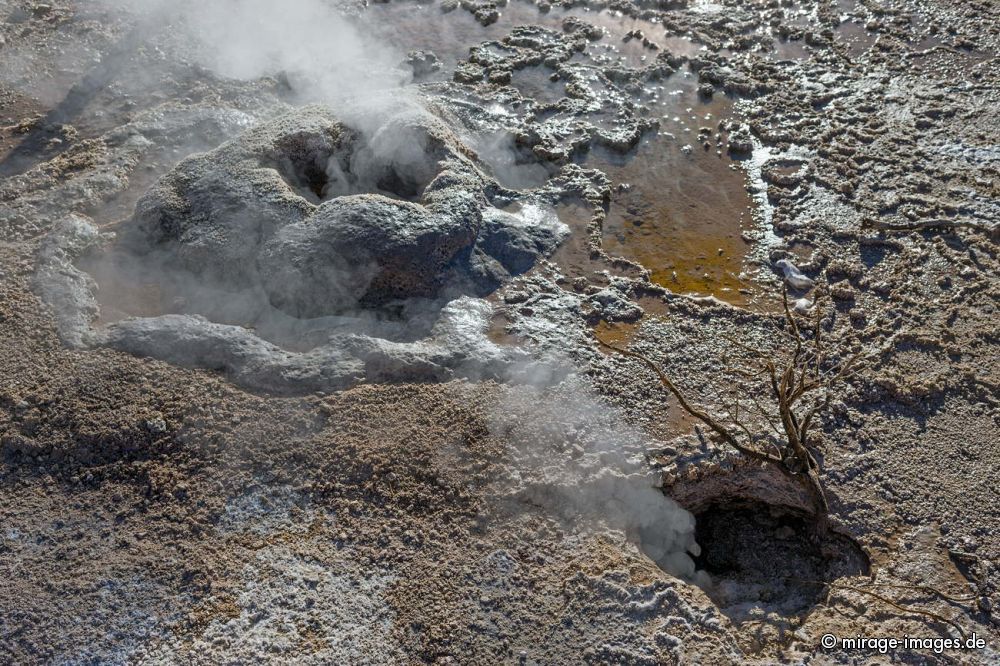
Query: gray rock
(793, 276)
(516, 240)
(302, 228)
(741, 141)
(423, 63)
(613, 305)
(324, 217)
(310, 201)
(362, 248)
(457, 347)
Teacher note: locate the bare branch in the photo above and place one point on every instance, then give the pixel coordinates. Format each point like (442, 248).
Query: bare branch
(808, 369)
(714, 425)
(791, 320)
(765, 414)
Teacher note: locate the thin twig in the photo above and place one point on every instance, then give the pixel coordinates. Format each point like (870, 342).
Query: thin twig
(714, 425)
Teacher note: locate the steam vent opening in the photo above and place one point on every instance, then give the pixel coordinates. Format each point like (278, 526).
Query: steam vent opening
(319, 166)
(306, 171)
(762, 554)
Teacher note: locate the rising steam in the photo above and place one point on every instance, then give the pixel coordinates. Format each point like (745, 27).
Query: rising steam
(323, 57)
(575, 455)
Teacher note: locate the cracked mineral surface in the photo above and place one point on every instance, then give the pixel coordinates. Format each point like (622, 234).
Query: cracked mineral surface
(300, 306)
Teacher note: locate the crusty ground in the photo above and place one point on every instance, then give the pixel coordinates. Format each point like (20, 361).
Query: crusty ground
(151, 513)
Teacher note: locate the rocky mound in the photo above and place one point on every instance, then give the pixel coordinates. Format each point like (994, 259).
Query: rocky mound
(311, 254)
(325, 217)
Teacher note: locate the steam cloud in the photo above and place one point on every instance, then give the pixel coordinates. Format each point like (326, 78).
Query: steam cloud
(324, 58)
(321, 54)
(575, 455)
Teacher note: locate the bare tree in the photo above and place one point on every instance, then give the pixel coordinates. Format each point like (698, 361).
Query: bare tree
(776, 399)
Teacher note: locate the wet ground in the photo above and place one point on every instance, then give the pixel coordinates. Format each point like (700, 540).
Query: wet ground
(682, 215)
(679, 206)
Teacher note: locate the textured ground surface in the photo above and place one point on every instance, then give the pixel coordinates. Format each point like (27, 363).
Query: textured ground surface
(152, 513)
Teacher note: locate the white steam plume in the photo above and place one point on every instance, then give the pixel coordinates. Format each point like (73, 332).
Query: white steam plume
(575, 455)
(324, 57)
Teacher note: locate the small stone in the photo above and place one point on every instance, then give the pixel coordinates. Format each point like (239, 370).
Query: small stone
(740, 141)
(515, 296)
(793, 276)
(423, 63)
(156, 425)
